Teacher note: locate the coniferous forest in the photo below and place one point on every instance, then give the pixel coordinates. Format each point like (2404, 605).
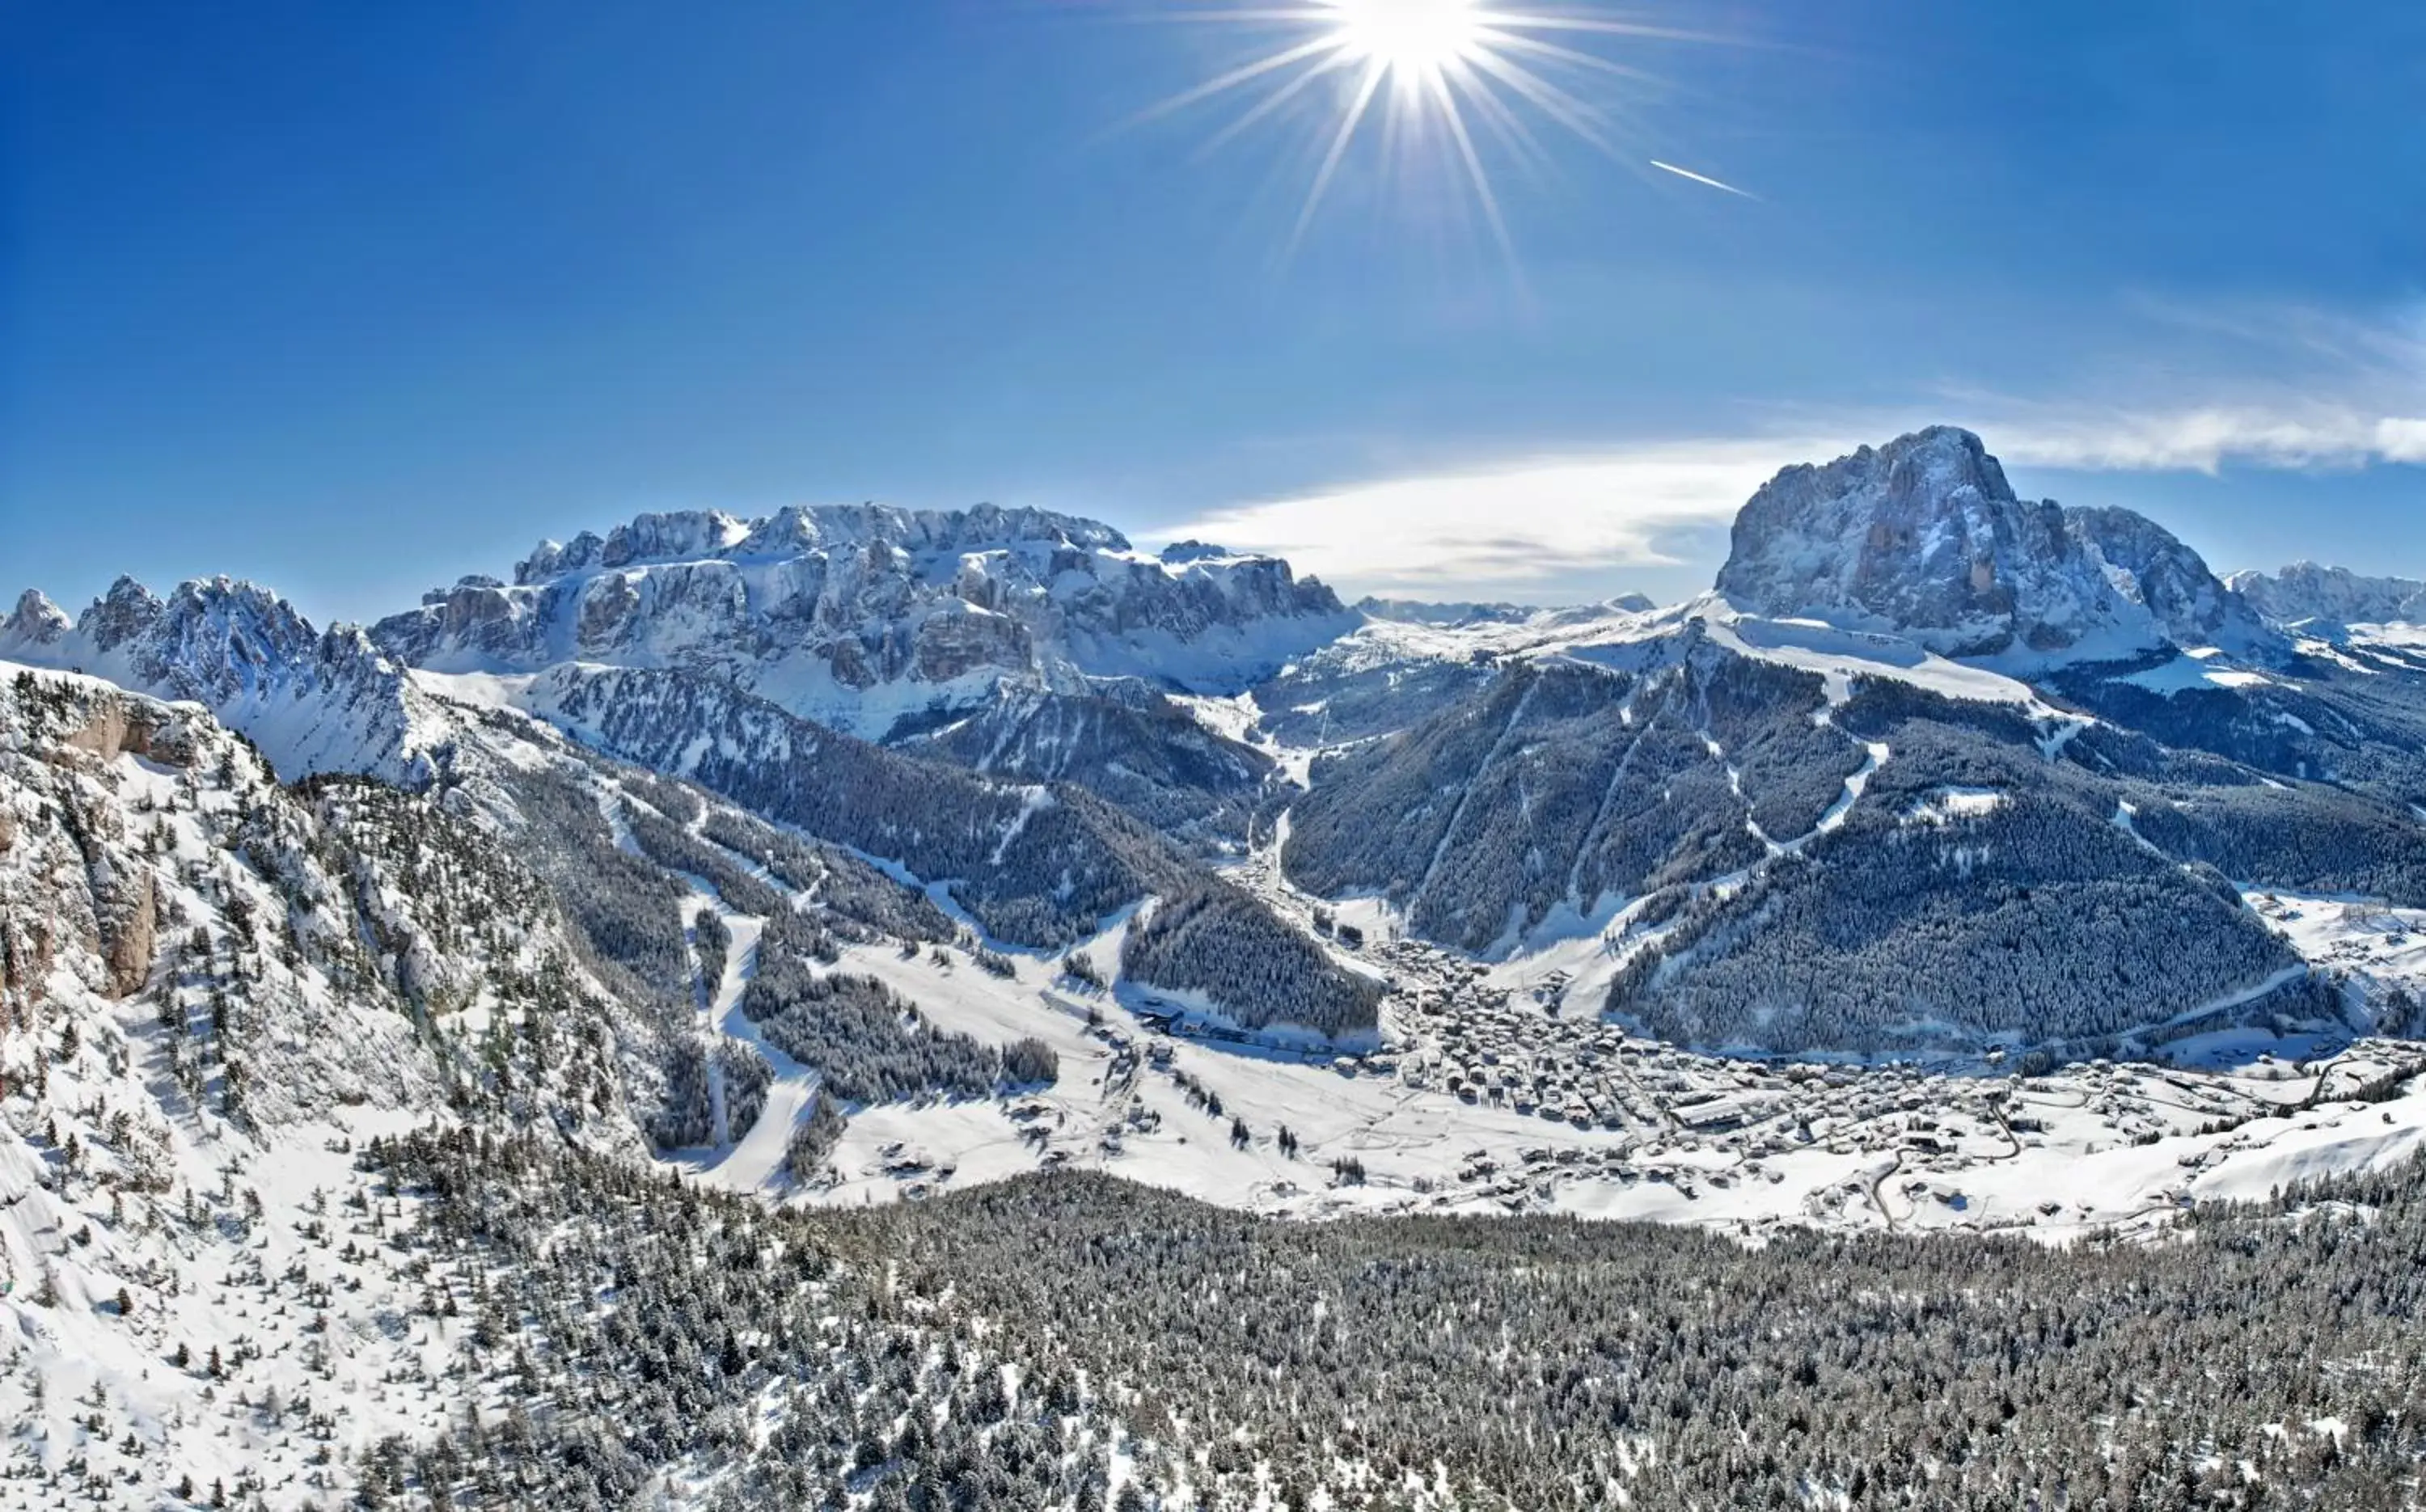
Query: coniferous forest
(1079, 1341)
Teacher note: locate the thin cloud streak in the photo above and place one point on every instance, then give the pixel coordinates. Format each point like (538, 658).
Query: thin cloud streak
(2317, 389)
(2210, 439)
(1699, 178)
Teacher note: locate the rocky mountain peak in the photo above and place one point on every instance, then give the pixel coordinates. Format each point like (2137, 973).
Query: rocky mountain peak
(648, 538)
(1179, 553)
(856, 529)
(120, 616)
(1923, 533)
(313, 701)
(1925, 537)
(858, 614)
(35, 621)
(2153, 568)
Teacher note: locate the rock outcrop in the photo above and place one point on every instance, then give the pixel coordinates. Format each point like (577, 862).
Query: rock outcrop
(856, 615)
(1924, 537)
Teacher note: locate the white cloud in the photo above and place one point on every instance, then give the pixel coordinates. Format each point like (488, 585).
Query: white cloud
(1492, 528)
(2250, 386)
(2292, 435)
(1527, 520)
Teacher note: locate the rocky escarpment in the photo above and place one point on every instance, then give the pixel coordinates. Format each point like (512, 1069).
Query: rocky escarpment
(1011, 641)
(2305, 594)
(117, 914)
(2189, 605)
(1925, 537)
(113, 726)
(271, 953)
(858, 614)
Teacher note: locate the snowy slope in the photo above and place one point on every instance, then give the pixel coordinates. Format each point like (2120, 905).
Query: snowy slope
(212, 989)
(1449, 1120)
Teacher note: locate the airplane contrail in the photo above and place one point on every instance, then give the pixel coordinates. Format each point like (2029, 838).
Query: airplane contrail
(1701, 178)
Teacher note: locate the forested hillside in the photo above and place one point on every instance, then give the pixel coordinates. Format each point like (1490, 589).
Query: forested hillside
(1078, 1342)
(1034, 864)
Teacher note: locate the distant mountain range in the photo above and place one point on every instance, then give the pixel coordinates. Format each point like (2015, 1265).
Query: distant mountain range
(1932, 765)
(2308, 595)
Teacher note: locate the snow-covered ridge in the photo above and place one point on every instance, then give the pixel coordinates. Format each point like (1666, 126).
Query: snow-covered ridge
(862, 616)
(2306, 593)
(796, 531)
(312, 701)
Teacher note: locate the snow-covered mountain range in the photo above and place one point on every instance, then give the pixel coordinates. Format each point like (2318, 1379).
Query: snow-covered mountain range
(863, 617)
(312, 701)
(2306, 594)
(1889, 626)
(855, 852)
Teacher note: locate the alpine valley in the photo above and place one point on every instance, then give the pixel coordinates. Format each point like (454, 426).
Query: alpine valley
(853, 1009)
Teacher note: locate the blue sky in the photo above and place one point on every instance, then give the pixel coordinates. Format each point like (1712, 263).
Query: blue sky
(355, 300)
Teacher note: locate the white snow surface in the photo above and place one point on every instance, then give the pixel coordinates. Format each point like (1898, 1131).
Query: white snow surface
(1496, 1091)
(137, 1215)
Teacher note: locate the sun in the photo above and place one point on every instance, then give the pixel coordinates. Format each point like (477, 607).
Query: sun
(1469, 78)
(1412, 38)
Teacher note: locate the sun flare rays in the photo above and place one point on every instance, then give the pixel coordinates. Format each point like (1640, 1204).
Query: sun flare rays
(1469, 78)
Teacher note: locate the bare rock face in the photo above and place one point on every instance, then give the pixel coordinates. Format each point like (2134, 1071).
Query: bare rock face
(1923, 533)
(1925, 537)
(130, 919)
(813, 608)
(2152, 566)
(952, 645)
(123, 726)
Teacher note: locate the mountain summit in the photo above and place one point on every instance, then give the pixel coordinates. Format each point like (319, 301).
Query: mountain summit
(2305, 592)
(1925, 537)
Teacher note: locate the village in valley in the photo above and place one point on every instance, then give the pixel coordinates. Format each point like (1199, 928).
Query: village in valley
(1501, 1088)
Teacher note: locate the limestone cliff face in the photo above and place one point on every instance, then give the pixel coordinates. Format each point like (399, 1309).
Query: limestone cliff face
(850, 615)
(129, 914)
(1925, 537)
(118, 726)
